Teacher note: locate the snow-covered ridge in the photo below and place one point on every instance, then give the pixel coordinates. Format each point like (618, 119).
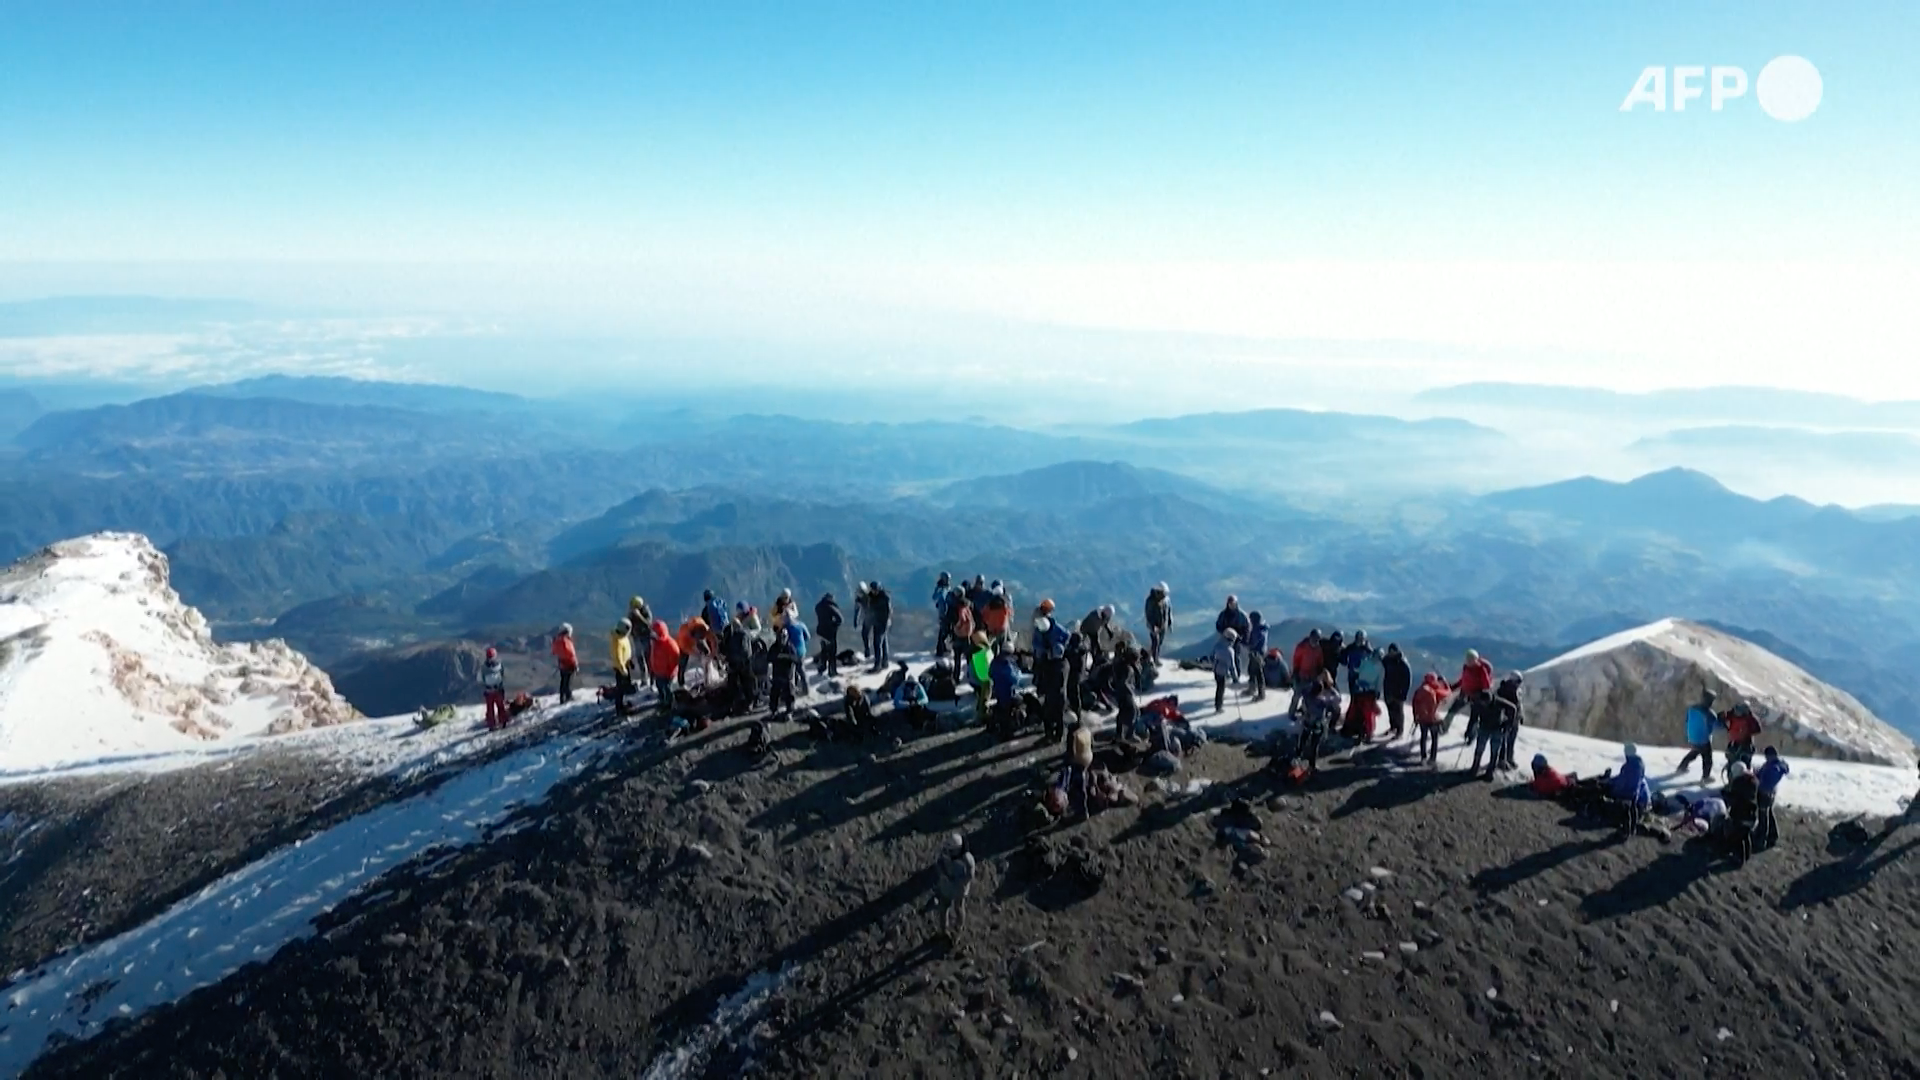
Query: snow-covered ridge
(1637, 685)
(99, 658)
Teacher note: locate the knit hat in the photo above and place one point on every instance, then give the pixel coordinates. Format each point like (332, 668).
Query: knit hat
(1739, 769)
(1631, 750)
(1539, 761)
(491, 653)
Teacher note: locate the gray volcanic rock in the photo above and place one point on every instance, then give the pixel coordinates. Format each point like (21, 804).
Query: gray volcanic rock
(1636, 686)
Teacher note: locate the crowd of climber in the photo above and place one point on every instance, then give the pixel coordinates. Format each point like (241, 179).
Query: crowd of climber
(1062, 675)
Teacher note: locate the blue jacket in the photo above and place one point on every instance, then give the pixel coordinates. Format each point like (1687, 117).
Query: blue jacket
(1630, 783)
(1699, 726)
(1368, 676)
(715, 613)
(1052, 645)
(909, 694)
(797, 636)
(1006, 678)
(1257, 638)
(1770, 773)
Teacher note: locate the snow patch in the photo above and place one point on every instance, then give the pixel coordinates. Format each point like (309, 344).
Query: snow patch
(251, 913)
(730, 1018)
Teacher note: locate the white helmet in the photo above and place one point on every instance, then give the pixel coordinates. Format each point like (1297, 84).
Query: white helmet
(956, 844)
(1042, 624)
(566, 629)
(1106, 611)
(1163, 588)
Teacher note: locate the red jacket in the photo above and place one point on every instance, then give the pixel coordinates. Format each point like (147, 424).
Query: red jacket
(1475, 678)
(1550, 783)
(663, 658)
(1306, 661)
(1741, 728)
(563, 651)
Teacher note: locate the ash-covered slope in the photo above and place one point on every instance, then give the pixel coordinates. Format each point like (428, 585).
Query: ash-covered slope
(1636, 686)
(99, 658)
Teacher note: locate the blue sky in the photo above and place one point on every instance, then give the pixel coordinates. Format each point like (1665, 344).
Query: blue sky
(912, 177)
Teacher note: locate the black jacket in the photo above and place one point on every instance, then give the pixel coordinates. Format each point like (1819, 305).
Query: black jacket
(879, 608)
(1398, 682)
(1332, 648)
(1159, 611)
(826, 618)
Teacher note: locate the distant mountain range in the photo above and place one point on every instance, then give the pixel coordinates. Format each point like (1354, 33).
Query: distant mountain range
(1737, 404)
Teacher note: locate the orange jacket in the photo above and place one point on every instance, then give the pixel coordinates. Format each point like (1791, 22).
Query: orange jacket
(995, 616)
(563, 651)
(663, 657)
(693, 634)
(1427, 699)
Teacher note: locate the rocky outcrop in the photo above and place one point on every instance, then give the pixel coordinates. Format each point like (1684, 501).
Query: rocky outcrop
(1636, 686)
(100, 658)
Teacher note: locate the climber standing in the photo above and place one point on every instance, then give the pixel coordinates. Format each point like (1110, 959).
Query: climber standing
(663, 663)
(1225, 666)
(1232, 618)
(826, 626)
(880, 616)
(1307, 663)
(863, 620)
(1769, 774)
(1395, 685)
(567, 658)
(620, 652)
(1742, 728)
(1050, 672)
(1476, 680)
(1159, 613)
(493, 687)
(953, 874)
(1257, 655)
(1700, 724)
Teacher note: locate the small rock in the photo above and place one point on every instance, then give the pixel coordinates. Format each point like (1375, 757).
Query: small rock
(1369, 886)
(1072, 1054)
(1124, 983)
(702, 786)
(1613, 1006)
(701, 852)
(1330, 1021)
(1409, 948)
(1423, 909)
(1493, 993)
(394, 941)
(1178, 998)
(1380, 873)
(1374, 956)
(1354, 895)
(1162, 955)
(1722, 1035)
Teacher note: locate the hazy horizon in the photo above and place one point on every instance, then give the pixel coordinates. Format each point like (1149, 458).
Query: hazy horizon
(1048, 217)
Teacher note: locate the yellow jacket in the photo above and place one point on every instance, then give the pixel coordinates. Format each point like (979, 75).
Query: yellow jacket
(620, 649)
